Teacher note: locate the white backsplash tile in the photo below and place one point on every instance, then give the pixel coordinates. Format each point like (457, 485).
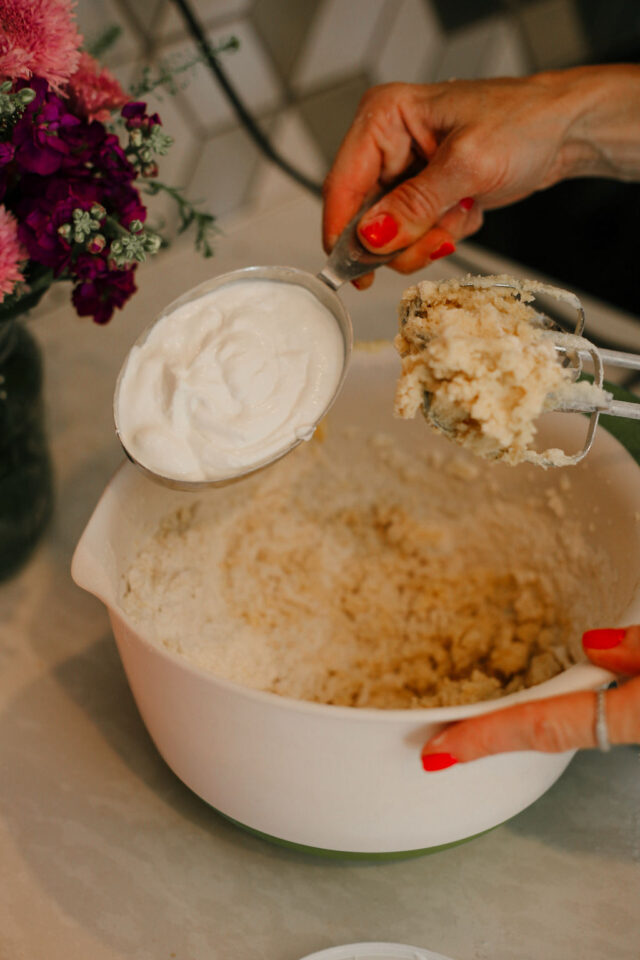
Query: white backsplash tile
(95, 17)
(481, 50)
(224, 172)
(283, 26)
(127, 73)
(146, 14)
(337, 43)
(505, 54)
(411, 45)
(208, 12)
(555, 33)
(329, 112)
(295, 143)
(249, 69)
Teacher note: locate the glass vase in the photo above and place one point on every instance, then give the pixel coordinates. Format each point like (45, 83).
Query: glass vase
(26, 485)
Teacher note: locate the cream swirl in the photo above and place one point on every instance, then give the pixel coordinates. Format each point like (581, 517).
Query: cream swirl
(229, 380)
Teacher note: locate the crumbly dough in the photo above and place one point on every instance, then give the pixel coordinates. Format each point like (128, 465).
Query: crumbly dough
(347, 574)
(486, 365)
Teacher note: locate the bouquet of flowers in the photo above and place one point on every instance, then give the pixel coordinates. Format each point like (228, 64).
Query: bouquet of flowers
(75, 154)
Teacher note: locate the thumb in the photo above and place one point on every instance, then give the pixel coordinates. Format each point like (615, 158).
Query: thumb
(616, 649)
(412, 208)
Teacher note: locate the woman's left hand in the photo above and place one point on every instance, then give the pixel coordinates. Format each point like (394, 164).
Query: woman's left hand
(556, 724)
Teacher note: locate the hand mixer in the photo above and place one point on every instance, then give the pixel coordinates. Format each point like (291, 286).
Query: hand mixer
(574, 350)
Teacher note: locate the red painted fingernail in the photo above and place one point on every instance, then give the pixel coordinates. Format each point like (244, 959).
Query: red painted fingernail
(443, 251)
(602, 639)
(467, 202)
(380, 231)
(437, 761)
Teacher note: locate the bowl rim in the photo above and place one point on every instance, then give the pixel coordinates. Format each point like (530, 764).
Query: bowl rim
(579, 677)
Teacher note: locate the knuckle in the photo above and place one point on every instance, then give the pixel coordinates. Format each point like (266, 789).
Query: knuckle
(471, 159)
(373, 98)
(376, 106)
(464, 151)
(548, 734)
(415, 202)
(384, 91)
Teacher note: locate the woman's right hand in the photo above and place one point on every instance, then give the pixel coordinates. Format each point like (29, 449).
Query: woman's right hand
(477, 145)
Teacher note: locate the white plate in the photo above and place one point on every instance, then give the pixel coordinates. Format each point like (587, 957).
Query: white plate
(375, 951)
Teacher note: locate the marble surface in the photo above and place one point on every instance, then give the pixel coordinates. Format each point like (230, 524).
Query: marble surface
(105, 854)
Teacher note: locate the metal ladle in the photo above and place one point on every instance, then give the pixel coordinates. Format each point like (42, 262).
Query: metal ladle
(348, 261)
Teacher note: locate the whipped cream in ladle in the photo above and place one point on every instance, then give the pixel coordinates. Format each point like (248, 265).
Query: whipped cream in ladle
(229, 381)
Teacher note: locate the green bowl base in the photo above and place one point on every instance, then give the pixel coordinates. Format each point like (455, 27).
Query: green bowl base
(349, 855)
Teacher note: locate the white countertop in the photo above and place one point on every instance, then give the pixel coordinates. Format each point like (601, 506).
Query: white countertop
(104, 854)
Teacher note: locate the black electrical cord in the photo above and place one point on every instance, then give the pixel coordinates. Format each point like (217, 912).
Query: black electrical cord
(254, 131)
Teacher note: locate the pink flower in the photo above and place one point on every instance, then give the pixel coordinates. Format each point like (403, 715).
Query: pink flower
(11, 253)
(38, 37)
(94, 92)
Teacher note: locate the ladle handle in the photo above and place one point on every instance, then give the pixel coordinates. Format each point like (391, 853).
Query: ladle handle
(349, 259)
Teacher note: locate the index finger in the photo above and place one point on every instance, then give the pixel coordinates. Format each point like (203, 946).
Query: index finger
(553, 725)
(355, 173)
(378, 148)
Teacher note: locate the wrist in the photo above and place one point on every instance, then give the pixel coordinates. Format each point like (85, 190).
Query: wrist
(601, 109)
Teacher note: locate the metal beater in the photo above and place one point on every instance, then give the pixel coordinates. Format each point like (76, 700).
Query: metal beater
(575, 349)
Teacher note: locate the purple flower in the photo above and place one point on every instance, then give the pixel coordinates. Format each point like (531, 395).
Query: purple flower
(103, 291)
(57, 165)
(43, 206)
(38, 136)
(111, 160)
(89, 267)
(84, 141)
(125, 204)
(7, 151)
(49, 138)
(135, 113)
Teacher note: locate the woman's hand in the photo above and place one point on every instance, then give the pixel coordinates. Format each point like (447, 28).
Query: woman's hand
(558, 723)
(476, 145)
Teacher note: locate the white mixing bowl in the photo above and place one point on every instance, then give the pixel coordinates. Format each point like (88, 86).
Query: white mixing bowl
(339, 778)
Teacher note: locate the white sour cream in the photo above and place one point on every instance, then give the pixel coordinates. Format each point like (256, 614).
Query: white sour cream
(229, 380)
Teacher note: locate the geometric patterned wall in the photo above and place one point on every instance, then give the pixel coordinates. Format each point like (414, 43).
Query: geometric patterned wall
(302, 66)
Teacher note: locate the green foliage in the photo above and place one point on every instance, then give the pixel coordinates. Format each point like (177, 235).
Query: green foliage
(107, 39)
(189, 215)
(12, 106)
(164, 78)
